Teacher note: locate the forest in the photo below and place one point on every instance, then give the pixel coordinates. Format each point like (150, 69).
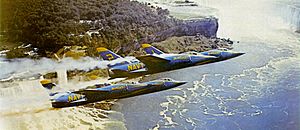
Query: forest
(50, 25)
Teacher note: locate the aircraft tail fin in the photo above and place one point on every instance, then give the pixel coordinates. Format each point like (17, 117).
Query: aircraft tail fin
(151, 50)
(47, 84)
(51, 87)
(107, 54)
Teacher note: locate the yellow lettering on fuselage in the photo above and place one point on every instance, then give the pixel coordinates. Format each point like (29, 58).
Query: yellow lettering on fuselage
(74, 97)
(129, 67)
(70, 98)
(118, 88)
(135, 66)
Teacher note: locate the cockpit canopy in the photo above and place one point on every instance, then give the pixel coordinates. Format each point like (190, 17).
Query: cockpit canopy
(214, 52)
(191, 53)
(167, 79)
(223, 49)
(98, 86)
(134, 61)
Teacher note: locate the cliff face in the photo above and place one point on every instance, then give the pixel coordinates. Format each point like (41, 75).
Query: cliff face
(191, 43)
(207, 27)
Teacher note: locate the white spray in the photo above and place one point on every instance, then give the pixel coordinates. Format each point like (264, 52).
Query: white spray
(29, 67)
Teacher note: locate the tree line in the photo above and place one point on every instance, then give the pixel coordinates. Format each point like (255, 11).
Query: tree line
(50, 25)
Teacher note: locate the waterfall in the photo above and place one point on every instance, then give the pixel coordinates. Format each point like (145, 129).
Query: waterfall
(20, 88)
(62, 77)
(289, 11)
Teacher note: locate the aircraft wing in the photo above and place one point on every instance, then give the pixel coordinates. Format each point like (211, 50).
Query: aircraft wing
(150, 59)
(153, 62)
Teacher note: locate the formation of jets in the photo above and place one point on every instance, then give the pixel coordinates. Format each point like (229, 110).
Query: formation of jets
(155, 61)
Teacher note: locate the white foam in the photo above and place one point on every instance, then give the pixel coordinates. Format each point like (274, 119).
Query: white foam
(44, 65)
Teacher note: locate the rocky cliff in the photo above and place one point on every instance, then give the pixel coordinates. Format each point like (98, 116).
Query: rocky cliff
(207, 27)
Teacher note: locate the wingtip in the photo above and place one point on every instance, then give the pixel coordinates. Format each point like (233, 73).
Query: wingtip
(45, 81)
(101, 49)
(145, 45)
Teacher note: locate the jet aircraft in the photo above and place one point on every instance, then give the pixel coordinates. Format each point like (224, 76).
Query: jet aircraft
(221, 54)
(101, 92)
(120, 67)
(158, 61)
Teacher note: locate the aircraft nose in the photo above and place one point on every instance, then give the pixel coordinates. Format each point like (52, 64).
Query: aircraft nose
(235, 54)
(180, 82)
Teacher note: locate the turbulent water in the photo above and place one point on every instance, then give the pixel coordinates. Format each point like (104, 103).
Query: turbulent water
(25, 103)
(258, 90)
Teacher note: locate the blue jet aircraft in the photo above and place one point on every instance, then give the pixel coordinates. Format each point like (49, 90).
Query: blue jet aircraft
(120, 67)
(221, 54)
(101, 92)
(158, 61)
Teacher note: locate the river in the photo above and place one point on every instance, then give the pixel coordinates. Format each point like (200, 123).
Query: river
(259, 90)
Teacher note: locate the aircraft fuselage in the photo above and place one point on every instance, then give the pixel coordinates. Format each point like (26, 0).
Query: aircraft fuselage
(116, 91)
